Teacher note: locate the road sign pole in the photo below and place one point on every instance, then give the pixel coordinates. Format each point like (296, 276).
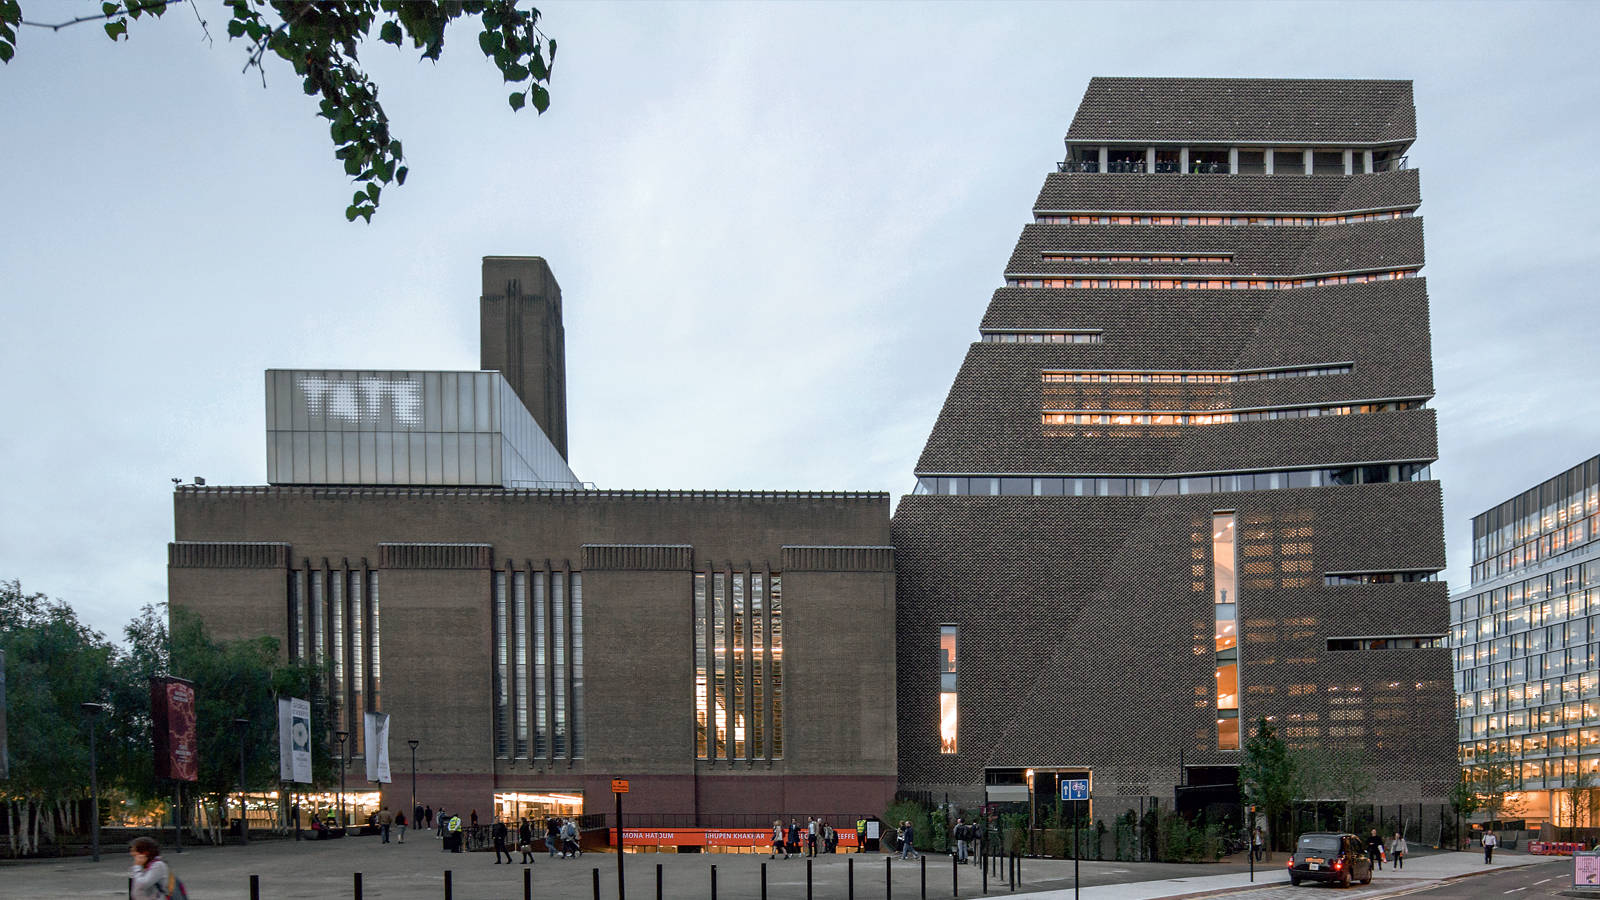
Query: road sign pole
(619, 786)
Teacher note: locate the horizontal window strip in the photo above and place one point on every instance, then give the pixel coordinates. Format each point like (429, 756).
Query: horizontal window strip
(1399, 642)
(1043, 337)
(1049, 256)
(1218, 417)
(1211, 284)
(1268, 220)
(1102, 486)
(1193, 377)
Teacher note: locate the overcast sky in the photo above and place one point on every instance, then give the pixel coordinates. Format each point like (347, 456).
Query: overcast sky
(783, 221)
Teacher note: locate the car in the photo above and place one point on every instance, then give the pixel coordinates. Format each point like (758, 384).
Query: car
(1330, 856)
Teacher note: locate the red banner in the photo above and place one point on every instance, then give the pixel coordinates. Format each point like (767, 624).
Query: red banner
(710, 837)
(172, 715)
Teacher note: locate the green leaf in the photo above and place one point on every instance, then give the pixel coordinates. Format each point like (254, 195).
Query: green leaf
(350, 213)
(394, 150)
(235, 28)
(400, 175)
(517, 101)
(359, 197)
(7, 52)
(489, 42)
(372, 191)
(352, 166)
(390, 32)
(541, 98)
(113, 29)
(516, 72)
(109, 9)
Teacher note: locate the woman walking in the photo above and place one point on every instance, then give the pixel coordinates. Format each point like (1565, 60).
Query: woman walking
(1397, 850)
(149, 872)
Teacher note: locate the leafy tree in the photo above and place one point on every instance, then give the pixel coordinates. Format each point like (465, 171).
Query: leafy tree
(320, 42)
(54, 663)
(1494, 778)
(1268, 775)
(1580, 798)
(1333, 773)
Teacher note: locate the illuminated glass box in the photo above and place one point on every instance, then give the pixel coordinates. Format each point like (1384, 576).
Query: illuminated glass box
(335, 426)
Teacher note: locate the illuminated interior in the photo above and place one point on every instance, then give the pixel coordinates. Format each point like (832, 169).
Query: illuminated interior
(1224, 585)
(512, 806)
(947, 688)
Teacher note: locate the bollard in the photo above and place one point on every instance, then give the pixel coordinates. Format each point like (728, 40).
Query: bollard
(447, 890)
(527, 884)
(713, 883)
(955, 877)
(763, 881)
(922, 862)
(255, 887)
(658, 881)
(358, 885)
(808, 879)
(596, 883)
(983, 863)
(888, 876)
(850, 878)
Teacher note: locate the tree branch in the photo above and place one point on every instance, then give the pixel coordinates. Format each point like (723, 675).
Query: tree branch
(119, 11)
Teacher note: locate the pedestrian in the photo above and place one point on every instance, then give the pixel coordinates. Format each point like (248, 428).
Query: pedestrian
(811, 837)
(1397, 850)
(908, 841)
(427, 812)
(794, 837)
(443, 823)
(416, 817)
(454, 828)
(552, 835)
(861, 835)
(474, 820)
(830, 838)
(1490, 841)
(569, 840)
(525, 841)
(777, 840)
(960, 834)
(498, 832)
(1375, 849)
(385, 822)
(149, 875)
(1255, 842)
(400, 822)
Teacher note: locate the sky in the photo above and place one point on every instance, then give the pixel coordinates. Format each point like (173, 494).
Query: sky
(774, 223)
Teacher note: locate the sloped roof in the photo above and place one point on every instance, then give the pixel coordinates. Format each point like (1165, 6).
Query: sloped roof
(1246, 110)
(1119, 192)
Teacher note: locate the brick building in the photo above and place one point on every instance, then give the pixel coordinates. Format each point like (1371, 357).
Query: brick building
(1181, 483)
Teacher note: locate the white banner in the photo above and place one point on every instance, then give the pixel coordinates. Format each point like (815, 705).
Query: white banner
(377, 744)
(294, 740)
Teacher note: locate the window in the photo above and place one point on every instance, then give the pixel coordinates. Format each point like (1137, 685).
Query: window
(1392, 642)
(1224, 589)
(1180, 219)
(738, 658)
(1253, 283)
(502, 681)
(1161, 485)
(1221, 417)
(1194, 377)
(947, 688)
(1343, 578)
(1042, 337)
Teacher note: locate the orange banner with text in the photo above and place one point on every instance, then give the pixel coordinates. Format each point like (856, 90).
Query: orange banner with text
(710, 837)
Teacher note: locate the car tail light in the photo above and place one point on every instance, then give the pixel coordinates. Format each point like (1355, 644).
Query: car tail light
(1291, 862)
(1337, 865)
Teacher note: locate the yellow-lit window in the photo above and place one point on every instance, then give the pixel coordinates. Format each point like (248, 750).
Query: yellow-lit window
(947, 688)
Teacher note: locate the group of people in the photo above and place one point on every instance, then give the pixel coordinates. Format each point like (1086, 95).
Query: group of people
(803, 840)
(1393, 850)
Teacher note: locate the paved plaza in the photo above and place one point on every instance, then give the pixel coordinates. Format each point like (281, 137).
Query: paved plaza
(416, 869)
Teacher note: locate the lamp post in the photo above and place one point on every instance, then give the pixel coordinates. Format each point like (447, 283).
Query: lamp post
(244, 810)
(341, 735)
(91, 711)
(413, 810)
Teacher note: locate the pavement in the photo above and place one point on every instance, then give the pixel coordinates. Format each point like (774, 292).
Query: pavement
(416, 869)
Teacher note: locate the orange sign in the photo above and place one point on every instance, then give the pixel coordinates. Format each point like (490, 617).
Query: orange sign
(709, 837)
(619, 785)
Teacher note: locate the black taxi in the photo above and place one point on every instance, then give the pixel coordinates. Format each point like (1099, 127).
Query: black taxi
(1332, 857)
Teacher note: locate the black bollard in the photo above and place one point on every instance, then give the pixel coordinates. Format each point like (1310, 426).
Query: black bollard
(596, 883)
(763, 881)
(808, 879)
(850, 878)
(888, 876)
(527, 884)
(922, 863)
(955, 877)
(358, 885)
(713, 883)
(447, 889)
(658, 881)
(255, 887)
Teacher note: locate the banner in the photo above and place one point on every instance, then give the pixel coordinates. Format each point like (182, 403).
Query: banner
(294, 739)
(377, 744)
(172, 715)
(4, 761)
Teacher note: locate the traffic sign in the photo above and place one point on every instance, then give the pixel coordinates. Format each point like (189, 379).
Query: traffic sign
(1074, 788)
(619, 785)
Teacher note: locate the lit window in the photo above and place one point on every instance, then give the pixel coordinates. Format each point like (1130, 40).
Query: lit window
(1224, 584)
(947, 688)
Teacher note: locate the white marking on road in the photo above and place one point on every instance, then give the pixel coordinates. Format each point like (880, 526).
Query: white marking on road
(1514, 890)
(1543, 880)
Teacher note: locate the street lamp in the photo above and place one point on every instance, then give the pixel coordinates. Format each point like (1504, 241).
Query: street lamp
(413, 779)
(341, 735)
(91, 711)
(244, 811)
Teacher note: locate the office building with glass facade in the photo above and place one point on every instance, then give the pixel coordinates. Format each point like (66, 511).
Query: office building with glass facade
(1181, 482)
(1526, 641)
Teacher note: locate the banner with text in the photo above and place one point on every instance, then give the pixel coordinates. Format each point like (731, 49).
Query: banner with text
(172, 718)
(294, 740)
(377, 734)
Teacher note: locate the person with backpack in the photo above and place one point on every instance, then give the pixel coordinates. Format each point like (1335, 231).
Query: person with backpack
(149, 876)
(569, 840)
(959, 847)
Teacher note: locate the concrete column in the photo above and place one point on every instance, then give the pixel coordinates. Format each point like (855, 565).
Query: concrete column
(1366, 162)
(1149, 159)
(1306, 155)
(1183, 160)
(1233, 160)
(1349, 157)
(1105, 159)
(1269, 153)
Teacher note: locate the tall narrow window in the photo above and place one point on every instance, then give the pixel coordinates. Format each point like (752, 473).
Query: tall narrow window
(502, 685)
(947, 688)
(775, 604)
(377, 658)
(340, 708)
(519, 663)
(577, 665)
(319, 631)
(719, 664)
(1224, 583)
(738, 666)
(758, 665)
(701, 698)
(558, 663)
(541, 669)
(297, 601)
(358, 656)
